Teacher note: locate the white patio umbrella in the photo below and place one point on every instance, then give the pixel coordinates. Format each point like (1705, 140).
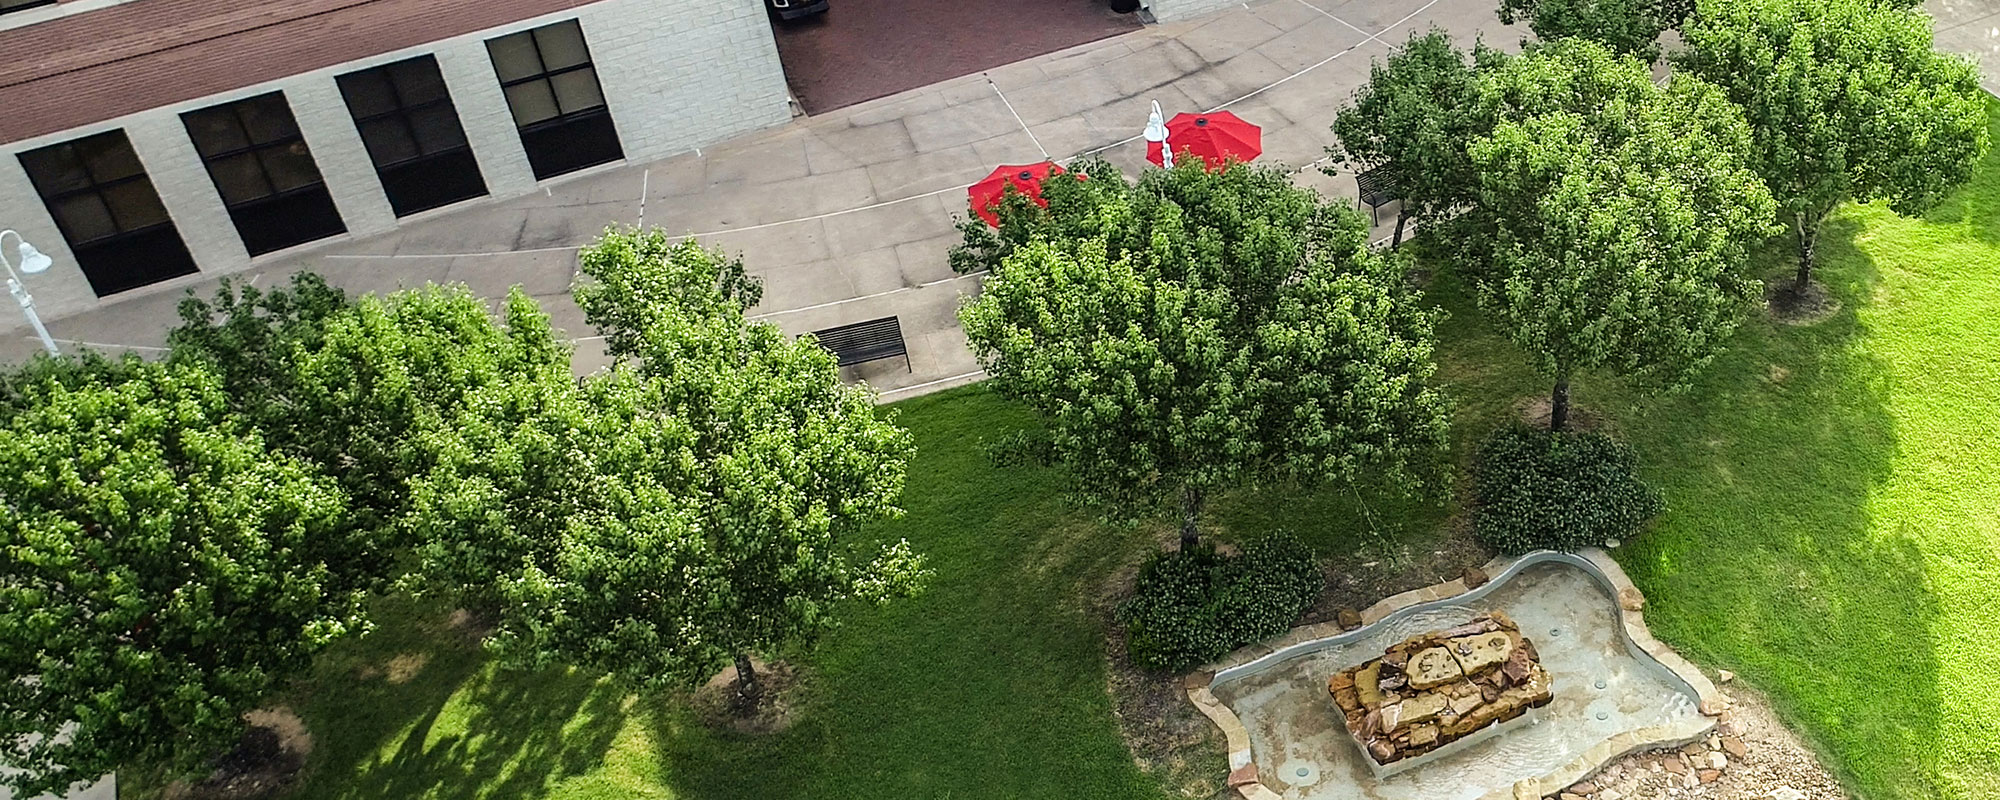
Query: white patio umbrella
(1156, 139)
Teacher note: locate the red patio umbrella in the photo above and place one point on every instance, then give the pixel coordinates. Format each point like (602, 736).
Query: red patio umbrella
(1025, 178)
(1215, 137)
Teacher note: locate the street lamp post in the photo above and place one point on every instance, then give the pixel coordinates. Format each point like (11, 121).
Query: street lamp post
(32, 261)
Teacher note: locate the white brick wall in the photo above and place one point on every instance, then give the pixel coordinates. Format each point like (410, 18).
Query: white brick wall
(681, 74)
(677, 74)
(343, 161)
(482, 109)
(186, 190)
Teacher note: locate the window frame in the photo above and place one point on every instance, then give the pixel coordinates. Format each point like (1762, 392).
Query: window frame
(547, 77)
(567, 141)
(403, 112)
(279, 219)
(102, 259)
(94, 188)
(394, 174)
(254, 149)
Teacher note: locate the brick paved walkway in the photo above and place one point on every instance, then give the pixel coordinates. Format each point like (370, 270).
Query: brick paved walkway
(863, 49)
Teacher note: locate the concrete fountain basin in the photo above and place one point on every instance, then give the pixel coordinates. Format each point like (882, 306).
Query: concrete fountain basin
(1616, 690)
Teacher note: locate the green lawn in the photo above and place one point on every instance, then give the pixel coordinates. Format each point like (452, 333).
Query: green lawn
(990, 684)
(1833, 535)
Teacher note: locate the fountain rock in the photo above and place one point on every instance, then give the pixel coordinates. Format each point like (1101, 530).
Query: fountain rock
(1431, 690)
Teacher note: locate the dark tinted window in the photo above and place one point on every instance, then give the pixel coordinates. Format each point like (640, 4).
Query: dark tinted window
(412, 133)
(108, 211)
(17, 5)
(552, 89)
(264, 172)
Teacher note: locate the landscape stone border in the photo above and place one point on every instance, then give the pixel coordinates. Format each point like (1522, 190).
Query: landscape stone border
(1631, 604)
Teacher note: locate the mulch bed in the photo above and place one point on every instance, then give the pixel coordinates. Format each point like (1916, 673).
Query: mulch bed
(263, 764)
(1793, 307)
(718, 705)
(1173, 742)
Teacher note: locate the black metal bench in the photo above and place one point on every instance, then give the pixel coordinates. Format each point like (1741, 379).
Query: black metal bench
(861, 342)
(1378, 189)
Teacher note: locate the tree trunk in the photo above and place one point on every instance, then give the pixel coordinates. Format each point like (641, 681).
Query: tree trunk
(746, 681)
(1808, 242)
(1190, 509)
(1559, 406)
(1397, 241)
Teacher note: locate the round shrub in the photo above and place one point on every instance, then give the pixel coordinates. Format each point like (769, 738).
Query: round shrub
(1557, 491)
(1191, 606)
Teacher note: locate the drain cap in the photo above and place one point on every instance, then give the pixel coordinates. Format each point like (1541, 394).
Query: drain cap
(1299, 772)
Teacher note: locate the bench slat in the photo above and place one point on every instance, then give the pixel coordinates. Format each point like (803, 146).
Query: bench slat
(860, 342)
(1377, 186)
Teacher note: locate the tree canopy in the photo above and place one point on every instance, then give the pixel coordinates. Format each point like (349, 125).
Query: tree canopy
(161, 570)
(351, 386)
(1628, 27)
(1614, 218)
(1415, 116)
(1846, 100)
(1202, 330)
(701, 501)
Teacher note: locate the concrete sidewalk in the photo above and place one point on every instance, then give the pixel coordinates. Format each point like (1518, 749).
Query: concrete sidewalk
(847, 216)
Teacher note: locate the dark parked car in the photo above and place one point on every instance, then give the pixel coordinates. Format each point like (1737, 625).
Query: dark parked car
(795, 9)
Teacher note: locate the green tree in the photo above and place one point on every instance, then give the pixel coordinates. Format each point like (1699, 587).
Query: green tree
(352, 386)
(161, 569)
(250, 337)
(1630, 27)
(700, 502)
(1846, 100)
(1415, 116)
(1203, 330)
(1614, 218)
(1069, 204)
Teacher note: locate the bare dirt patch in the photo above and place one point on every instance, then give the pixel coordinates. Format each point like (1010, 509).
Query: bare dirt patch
(398, 670)
(1355, 581)
(472, 625)
(1535, 411)
(719, 704)
(1791, 306)
(263, 764)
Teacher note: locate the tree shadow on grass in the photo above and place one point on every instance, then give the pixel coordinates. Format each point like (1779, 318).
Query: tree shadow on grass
(990, 683)
(1769, 560)
(415, 710)
(515, 733)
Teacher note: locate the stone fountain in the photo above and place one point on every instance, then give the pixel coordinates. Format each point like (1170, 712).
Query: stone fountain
(1432, 693)
(1514, 688)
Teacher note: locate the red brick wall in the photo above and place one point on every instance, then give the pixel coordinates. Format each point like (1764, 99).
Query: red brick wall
(107, 63)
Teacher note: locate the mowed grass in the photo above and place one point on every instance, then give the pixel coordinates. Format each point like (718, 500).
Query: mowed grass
(1835, 523)
(990, 684)
(1833, 535)
(1833, 490)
